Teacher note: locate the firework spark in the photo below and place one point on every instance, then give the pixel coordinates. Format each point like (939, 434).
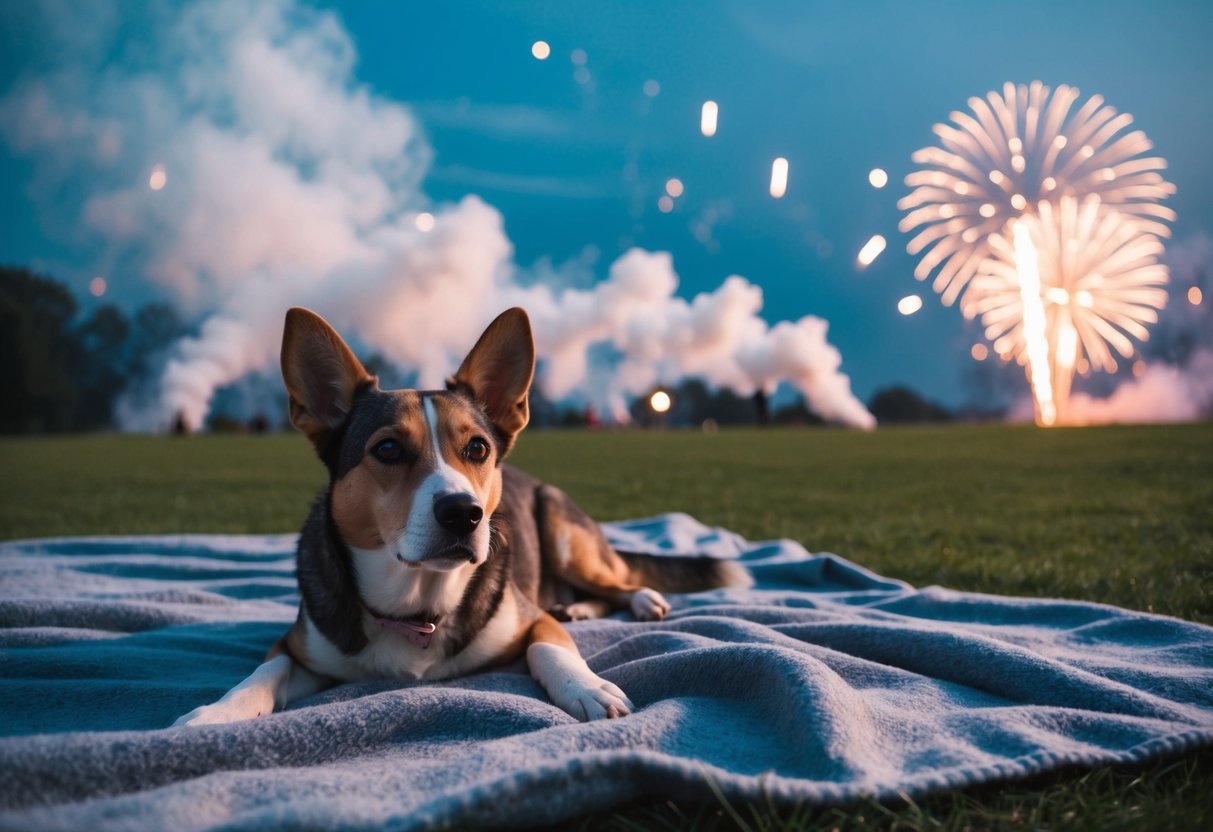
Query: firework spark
(870, 251)
(779, 177)
(1045, 223)
(1011, 152)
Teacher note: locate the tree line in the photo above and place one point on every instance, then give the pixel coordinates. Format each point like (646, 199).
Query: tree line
(66, 369)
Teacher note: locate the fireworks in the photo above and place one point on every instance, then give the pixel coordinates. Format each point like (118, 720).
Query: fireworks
(870, 251)
(1045, 223)
(1069, 287)
(779, 177)
(1013, 151)
(707, 118)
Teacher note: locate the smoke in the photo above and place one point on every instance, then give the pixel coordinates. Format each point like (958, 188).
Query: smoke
(285, 182)
(1162, 393)
(717, 336)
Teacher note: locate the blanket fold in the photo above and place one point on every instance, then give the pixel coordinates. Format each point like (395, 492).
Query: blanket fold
(822, 682)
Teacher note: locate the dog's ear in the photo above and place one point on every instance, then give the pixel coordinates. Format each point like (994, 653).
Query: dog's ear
(498, 371)
(321, 373)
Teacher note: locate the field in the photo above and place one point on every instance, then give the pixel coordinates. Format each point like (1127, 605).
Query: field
(1116, 515)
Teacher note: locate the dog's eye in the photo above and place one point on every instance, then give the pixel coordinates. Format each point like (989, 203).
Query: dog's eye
(477, 450)
(388, 450)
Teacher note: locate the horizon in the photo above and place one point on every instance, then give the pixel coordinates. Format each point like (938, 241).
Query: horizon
(571, 160)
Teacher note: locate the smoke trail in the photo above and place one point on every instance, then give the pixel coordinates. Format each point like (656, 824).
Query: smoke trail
(285, 182)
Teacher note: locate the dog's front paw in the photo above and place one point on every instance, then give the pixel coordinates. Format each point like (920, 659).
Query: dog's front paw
(649, 605)
(237, 706)
(217, 714)
(594, 698)
(208, 715)
(573, 687)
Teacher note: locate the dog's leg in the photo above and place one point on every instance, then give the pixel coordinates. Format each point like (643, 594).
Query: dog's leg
(275, 684)
(575, 549)
(572, 686)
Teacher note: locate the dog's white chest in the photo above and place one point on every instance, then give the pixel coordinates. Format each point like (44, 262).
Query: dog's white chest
(390, 654)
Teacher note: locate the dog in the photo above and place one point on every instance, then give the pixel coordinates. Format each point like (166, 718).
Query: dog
(426, 557)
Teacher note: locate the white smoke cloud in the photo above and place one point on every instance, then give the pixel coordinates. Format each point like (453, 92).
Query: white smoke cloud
(289, 183)
(1162, 393)
(717, 336)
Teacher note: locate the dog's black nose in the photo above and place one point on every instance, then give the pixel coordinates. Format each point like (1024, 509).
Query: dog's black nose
(458, 513)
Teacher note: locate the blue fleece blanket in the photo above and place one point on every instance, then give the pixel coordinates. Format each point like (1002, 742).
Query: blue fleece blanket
(821, 683)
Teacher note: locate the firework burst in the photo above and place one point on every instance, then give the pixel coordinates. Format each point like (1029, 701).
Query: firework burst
(1044, 221)
(1096, 285)
(1012, 152)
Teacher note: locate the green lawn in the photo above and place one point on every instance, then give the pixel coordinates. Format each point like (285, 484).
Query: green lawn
(1121, 515)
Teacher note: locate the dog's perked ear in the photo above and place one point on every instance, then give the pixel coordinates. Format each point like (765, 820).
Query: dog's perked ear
(497, 373)
(322, 374)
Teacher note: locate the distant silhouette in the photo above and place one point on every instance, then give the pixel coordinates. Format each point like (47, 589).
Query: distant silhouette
(763, 408)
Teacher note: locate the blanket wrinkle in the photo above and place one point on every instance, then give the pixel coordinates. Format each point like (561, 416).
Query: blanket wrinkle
(822, 682)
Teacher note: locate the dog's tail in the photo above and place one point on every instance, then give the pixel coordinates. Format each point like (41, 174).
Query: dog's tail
(677, 574)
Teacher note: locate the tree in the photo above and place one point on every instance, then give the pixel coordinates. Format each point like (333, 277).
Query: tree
(37, 389)
(154, 328)
(796, 413)
(61, 373)
(901, 404)
(103, 370)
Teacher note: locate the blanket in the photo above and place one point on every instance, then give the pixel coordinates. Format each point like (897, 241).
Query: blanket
(821, 683)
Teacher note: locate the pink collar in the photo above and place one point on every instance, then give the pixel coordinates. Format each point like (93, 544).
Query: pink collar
(417, 630)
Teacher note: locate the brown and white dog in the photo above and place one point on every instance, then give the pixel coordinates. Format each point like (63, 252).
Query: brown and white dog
(426, 557)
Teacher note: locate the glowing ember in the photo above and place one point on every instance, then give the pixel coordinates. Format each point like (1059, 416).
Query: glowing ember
(541, 50)
(979, 352)
(779, 177)
(660, 401)
(707, 118)
(673, 187)
(158, 178)
(878, 178)
(1195, 296)
(97, 286)
(871, 250)
(424, 221)
(909, 304)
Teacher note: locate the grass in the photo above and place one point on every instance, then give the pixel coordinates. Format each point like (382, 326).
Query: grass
(1120, 515)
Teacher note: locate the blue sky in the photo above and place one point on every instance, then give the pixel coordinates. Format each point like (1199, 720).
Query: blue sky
(576, 168)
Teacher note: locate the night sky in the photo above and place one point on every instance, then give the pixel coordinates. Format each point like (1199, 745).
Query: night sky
(575, 151)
